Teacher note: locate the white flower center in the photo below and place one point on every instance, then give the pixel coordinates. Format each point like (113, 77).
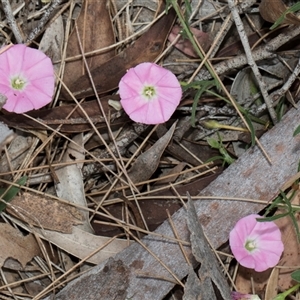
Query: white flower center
(18, 83)
(149, 92)
(250, 245)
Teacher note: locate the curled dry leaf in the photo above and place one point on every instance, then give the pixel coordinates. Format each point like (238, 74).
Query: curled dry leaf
(44, 212)
(271, 10)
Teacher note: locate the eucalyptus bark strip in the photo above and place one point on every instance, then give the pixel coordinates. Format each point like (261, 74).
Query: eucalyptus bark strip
(251, 176)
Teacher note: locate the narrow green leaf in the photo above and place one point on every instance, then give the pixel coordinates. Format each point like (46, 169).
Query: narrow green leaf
(213, 143)
(297, 131)
(291, 9)
(214, 158)
(252, 130)
(296, 275)
(11, 193)
(272, 218)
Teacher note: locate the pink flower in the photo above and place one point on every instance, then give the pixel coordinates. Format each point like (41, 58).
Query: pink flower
(256, 245)
(26, 78)
(149, 93)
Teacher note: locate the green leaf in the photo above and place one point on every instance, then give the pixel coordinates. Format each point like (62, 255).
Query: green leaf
(188, 10)
(296, 275)
(291, 9)
(11, 193)
(283, 295)
(213, 143)
(203, 86)
(297, 131)
(273, 218)
(214, 158)
(252, 130)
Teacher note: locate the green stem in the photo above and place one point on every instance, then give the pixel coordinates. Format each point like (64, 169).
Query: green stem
(191, 37)
(282, 296)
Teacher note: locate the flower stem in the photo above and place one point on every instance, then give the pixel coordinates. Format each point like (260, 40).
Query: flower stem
(191, 37)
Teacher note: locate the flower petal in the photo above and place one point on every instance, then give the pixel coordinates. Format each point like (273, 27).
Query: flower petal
(266, 237)
(32, 66)
(155, 109)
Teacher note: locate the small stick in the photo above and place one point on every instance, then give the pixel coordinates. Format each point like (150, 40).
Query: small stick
(12, 21)
(34, 33)
(250, 59)
(279, 93)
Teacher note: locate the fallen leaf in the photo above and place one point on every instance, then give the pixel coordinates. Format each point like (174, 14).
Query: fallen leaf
(44, 212)
(146, 164)
(272, 286)
(174, 171)
(95, 32)
(271, 10)
(145, 49)
(15, 245)
(70, 186)
(185, 45)
(81, 243)
(56, 116)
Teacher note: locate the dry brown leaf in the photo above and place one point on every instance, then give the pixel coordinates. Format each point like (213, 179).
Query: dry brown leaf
(45, 212)
(96, 32)
(175, 171)
(76, 123)
(272, 286)
(145, 48)
(185, 45)
(243, 280)
(271, 10)
(15, 245)
(147, 163)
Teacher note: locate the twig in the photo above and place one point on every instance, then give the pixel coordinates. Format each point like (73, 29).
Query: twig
(263, 52)
(250, 59)
(33, 34)
(12, 21)
(276, 95)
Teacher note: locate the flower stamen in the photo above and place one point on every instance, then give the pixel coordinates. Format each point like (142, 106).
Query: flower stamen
(250, 245)
(149, 92)
(18, 83)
